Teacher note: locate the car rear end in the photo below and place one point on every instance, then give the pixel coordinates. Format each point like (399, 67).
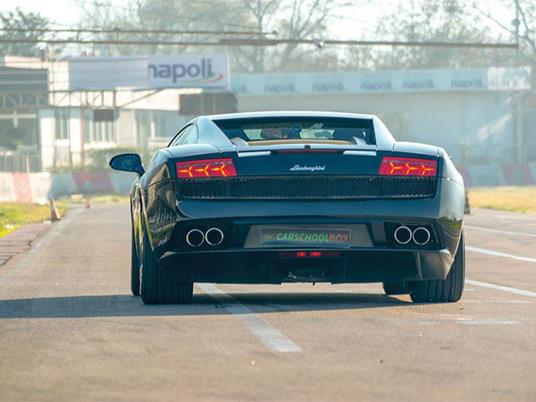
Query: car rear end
(309, 212)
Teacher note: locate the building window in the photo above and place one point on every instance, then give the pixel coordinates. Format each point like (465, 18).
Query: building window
(104, 131)
(143, 128)
(98, 131)
(160, 124)
(62, 123)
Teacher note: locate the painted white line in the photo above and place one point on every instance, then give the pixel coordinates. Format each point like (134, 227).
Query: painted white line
(499, 301)
(488, 322)
(506, 232)
(491, 214)
(271, 337)
(501, 288)
(499, 254)
(470, 321)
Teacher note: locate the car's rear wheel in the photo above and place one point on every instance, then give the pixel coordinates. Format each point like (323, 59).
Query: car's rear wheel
(154, 288)
(134, 268)
(395, 288)
(445, 290)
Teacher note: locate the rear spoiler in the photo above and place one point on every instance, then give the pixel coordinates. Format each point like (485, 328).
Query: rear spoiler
(346, 149)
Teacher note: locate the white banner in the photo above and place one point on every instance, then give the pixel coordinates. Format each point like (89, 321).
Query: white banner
(180, 71)
(437, 80)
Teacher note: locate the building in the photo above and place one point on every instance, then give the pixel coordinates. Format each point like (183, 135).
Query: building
(23, 90)
(467, 111)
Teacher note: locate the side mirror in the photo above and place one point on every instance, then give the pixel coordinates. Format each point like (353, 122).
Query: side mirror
(127, 163)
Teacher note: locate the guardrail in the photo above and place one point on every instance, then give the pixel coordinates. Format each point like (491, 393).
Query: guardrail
(40, 187)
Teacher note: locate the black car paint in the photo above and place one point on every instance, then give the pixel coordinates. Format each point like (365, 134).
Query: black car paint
(156, 210)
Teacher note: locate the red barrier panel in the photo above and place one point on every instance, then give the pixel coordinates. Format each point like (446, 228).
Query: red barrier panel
(93, 182)
(23, 189)
(517, 174)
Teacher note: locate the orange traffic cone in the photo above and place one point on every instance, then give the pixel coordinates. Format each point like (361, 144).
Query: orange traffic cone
(54, 214)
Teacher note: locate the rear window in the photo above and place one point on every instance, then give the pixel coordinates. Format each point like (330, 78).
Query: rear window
(259, 131)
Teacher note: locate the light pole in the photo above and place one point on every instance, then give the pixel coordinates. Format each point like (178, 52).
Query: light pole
(519, 97)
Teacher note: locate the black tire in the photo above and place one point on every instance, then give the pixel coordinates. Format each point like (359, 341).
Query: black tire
(395, 288)
(446, 290)
(134, 268)
(154, 288)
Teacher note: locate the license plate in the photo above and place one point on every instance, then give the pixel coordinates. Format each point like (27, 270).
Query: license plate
(288, 236)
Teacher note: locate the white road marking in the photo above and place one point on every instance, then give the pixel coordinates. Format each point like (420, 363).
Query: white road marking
(499, 254)
(490, 214)
(499, 301)
(470, 321)
(271, 337)
(501, 288)
(506, 232)
(488, 322)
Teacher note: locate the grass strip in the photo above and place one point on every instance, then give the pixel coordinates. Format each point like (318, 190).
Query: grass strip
(513, 199)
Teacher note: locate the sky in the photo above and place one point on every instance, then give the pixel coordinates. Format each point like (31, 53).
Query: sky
(351, 26)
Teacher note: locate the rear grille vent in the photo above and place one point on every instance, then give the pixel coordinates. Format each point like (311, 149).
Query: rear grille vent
(307, 187)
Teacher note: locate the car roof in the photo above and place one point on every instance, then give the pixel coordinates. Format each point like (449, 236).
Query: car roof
(320, 114)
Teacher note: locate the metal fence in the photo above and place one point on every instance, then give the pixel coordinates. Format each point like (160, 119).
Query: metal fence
(15, 161)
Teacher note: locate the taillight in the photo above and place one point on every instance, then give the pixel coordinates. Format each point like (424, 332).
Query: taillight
(313, 254)
(396, 166)
(206, 168)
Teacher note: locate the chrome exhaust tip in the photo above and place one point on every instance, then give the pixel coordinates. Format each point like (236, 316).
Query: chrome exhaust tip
(403, 235)
(214, 236)
(195, 238)
(421, 236)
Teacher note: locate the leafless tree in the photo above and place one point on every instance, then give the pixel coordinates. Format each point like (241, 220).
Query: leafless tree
(526, 10)
(431, 20)
(294, 19)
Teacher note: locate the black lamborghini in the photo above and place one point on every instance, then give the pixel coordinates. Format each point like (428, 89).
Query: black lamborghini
(279, 197)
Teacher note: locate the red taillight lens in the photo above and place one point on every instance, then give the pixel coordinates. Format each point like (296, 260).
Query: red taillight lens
(395, 166)
(206, 168)
(302, 254)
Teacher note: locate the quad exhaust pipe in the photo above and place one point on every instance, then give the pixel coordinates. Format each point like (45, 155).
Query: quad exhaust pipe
(196, 237)
(420, 235)
(403, 235)
(214, 236)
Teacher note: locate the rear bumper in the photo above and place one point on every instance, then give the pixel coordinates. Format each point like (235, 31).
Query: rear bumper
(375, 260)
(267, 266)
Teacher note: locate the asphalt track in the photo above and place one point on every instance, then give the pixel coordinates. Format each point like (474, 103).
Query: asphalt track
(69, 330)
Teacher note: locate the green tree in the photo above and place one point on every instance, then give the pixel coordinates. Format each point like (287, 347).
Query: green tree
(24, 25)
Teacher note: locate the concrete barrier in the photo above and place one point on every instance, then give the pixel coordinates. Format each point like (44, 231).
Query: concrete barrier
(7, 188)
(39, 187)
(492, 175)
(517, 174)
